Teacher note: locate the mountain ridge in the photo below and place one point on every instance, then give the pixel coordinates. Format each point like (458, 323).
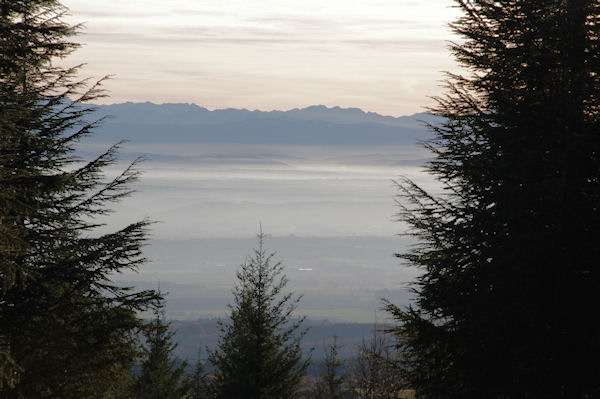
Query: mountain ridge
(198, 114)
(312, 126)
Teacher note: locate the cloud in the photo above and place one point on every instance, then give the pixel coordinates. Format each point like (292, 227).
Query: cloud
(93, 14)
(253, 36)
(258, 53)
(195, 12)
(254, 43)
(287, 22)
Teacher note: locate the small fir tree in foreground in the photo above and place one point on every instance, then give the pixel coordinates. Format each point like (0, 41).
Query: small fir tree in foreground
(332, 381)
(258, 355)
(199, 381)
(161, 374)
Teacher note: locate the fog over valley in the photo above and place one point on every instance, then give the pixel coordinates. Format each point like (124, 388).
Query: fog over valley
(319, 180)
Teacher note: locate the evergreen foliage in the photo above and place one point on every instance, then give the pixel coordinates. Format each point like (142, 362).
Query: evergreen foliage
(507, 302)
(198, 382)
(65, 329)
(161, 375)
(332, 382)
(258, 354)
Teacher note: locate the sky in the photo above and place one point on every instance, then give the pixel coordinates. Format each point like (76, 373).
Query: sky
(384, 56)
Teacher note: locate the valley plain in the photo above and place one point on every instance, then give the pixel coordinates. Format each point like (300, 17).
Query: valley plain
(318, 180)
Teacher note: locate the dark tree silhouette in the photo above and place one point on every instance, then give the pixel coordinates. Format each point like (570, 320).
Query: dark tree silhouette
(506, 305)
(65, 329)
(258, 354)
(161, 376)
(199, 381)
(332, 381)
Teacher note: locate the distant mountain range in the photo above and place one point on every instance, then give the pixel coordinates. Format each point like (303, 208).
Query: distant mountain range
(312, 126)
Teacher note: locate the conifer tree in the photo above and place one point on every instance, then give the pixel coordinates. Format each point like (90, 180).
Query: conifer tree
(65, 329)
(332, 381)
(258, 354)
(506, 305)
(198, 382)
(161, 375)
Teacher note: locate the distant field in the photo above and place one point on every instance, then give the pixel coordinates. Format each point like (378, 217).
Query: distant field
(354, 314)
(348, 278)
(318, 180)
(198, 334)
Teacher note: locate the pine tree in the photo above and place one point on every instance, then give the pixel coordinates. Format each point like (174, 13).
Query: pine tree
(198, 382)
(65, 329)
(161, 375)
(505, 307)
(331, 384)
(258, 354)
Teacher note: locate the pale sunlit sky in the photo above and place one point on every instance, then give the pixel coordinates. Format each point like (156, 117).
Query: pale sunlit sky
(383, 56)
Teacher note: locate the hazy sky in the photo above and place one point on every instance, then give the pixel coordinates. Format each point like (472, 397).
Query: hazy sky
(385, 56)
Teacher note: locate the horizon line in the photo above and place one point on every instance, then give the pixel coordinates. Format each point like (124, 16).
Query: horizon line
(335, 107)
